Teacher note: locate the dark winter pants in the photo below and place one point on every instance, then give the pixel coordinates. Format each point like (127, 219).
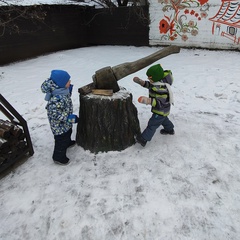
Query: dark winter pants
(62, 142)
(154, 122)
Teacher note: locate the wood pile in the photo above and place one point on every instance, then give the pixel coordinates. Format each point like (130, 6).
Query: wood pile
(12, 141)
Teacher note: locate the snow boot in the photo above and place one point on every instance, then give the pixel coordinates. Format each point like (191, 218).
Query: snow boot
(65, 161)
(165, 132)
(141, 140)
(71, 144)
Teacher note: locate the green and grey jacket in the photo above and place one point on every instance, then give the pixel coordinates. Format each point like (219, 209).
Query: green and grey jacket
(161, 94)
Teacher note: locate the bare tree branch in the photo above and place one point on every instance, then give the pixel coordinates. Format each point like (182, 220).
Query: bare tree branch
(9, 13)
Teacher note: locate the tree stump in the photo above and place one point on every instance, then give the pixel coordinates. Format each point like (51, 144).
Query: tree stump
(107, 123)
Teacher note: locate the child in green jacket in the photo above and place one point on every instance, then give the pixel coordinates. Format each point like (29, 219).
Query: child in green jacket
(160, 98)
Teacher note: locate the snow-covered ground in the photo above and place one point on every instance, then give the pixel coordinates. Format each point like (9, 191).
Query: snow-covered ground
(185, 186)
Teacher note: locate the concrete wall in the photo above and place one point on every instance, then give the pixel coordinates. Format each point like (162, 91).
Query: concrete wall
(213, 24)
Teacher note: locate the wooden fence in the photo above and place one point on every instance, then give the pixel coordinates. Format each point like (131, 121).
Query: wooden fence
(71, 26)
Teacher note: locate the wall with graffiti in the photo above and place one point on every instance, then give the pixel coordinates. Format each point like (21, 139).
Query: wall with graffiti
(195, 23)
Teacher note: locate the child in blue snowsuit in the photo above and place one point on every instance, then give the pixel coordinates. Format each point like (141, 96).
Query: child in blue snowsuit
(58, 91)
(160, 98)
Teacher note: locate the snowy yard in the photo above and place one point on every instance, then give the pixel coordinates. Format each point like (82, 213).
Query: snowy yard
(185, 186)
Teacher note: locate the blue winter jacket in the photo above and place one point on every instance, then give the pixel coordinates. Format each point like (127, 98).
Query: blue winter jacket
(59, 106)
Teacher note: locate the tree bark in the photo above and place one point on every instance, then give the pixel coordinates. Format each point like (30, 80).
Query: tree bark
(107, 123)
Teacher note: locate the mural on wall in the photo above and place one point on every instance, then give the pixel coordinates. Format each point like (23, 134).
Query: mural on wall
(227, 20)
(181, 18)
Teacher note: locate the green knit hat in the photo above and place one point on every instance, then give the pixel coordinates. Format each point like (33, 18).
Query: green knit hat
(155, 73)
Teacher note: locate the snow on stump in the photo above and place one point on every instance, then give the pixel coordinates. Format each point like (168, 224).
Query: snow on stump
(107, 123)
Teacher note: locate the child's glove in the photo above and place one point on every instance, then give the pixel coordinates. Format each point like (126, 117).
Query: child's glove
(138, 81)
(72, 118)
(144, 100)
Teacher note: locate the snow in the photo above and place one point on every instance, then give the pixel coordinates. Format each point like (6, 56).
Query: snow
(185, 186)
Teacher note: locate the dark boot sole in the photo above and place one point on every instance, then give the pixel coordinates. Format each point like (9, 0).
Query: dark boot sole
(60, 163)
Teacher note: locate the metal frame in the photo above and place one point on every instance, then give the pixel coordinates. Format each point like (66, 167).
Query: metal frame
(7, 109)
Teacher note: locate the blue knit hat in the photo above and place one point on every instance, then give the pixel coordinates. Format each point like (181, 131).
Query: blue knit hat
(60, 77)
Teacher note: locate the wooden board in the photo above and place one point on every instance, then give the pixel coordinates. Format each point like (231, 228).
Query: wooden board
(105, 92)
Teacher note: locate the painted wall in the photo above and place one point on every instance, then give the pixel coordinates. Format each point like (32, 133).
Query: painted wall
(195, 23)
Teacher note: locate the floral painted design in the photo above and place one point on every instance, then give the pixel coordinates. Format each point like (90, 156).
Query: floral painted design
(183, 22)
(226, 21)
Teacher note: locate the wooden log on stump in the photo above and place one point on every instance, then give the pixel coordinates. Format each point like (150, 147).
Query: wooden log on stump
(107, 123)
(107, 77)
